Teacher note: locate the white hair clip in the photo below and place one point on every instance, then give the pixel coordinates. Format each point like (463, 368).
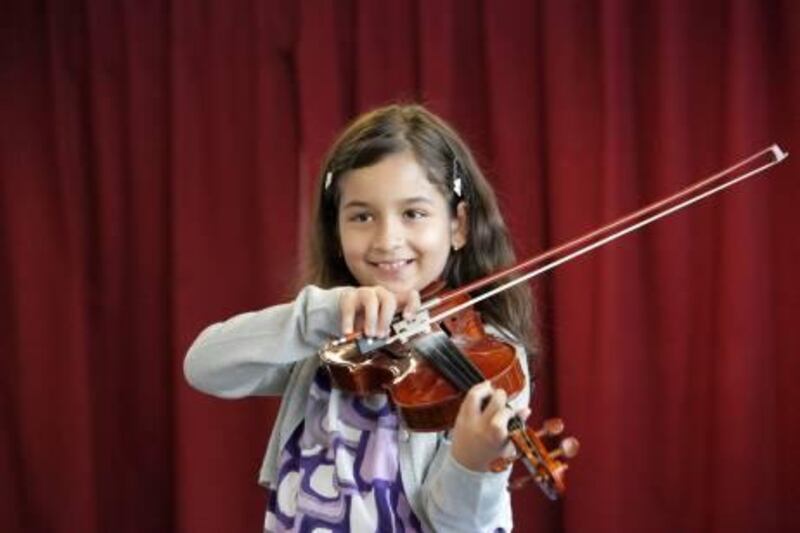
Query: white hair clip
(457, 187)
(456, 177)
(328, 180)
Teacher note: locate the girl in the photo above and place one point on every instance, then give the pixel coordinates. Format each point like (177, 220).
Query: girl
(401, 205)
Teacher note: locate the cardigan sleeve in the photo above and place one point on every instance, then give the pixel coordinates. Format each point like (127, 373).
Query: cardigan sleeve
(252, 353)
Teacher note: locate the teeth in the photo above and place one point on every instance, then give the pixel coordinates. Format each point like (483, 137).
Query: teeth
(393, 265)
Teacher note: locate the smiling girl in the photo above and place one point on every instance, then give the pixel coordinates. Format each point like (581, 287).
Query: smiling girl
(401, 205)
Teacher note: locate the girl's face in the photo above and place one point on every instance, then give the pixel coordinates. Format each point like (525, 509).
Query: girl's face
(395, 226)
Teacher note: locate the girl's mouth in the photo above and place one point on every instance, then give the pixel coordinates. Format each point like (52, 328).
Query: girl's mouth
(391, 266)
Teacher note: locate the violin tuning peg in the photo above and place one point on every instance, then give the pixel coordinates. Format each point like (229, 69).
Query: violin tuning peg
(500, 464)
(551, 427)
(519, 482)
(569, 447)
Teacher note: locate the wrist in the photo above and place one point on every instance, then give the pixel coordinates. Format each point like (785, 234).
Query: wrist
(468, 461)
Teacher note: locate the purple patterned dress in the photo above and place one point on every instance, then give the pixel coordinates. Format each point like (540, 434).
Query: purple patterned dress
(339, 470)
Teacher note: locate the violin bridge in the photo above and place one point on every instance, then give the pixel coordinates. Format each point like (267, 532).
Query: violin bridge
(405, 329)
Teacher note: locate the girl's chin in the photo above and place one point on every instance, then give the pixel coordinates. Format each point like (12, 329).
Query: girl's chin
(397, 287)
(394, 281)
(398, 282)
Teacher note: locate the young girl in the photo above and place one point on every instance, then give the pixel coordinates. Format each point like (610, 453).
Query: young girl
(402, 204)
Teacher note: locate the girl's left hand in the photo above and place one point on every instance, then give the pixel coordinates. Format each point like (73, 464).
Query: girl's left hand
(480, 433)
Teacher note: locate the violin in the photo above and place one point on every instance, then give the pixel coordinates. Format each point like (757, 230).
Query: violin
(428, 375)
(434, 358)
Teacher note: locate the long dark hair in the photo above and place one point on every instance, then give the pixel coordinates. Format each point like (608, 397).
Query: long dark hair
(451, 168)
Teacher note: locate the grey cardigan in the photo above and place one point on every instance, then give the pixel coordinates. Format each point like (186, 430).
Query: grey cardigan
(271, 352)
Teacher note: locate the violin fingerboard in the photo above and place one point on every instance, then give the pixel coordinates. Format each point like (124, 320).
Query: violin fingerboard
(442, 353)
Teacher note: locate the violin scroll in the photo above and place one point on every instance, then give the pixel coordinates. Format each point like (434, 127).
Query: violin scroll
(545, 467)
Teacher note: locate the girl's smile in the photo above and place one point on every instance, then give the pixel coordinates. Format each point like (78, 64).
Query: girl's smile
(392, 266)
(395, 226)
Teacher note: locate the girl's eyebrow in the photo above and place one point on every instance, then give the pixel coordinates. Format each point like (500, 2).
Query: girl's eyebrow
(355, 203)
(418, 200)
(412, 200)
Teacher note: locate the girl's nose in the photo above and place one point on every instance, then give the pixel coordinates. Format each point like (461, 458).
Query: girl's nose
(389, 235)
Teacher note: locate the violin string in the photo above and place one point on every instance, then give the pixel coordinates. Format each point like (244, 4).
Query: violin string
(435, 348)
(466, 366)
(442, 352)
(461, 371)
(472, 374)
(515, 423)
(446, 356)
(459, 363)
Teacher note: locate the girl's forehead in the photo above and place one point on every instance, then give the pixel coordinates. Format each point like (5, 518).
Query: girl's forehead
(395, 178)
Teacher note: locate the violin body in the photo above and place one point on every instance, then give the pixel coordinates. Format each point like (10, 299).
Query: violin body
(425, 399)
(429, 402)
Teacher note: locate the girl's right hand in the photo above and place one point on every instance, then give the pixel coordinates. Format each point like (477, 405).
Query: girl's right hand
(371, 309)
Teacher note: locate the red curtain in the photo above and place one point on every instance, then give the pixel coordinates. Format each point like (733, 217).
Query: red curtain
(157, 160)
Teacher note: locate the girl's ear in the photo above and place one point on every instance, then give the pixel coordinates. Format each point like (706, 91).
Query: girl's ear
(459, 227)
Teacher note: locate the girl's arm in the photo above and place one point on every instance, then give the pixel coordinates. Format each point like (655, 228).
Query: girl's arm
(252, 353)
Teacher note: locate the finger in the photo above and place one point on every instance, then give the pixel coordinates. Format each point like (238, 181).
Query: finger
(412, 305)
(498, 425)
(347, 310)
(473, 401)
(499, 419)
(369, 302)
(497, 402)
(358, 324)
(509, 452)
(387, 307)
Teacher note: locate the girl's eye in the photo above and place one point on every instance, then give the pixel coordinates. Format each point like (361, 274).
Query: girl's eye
(360, 217)
(415, 214)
